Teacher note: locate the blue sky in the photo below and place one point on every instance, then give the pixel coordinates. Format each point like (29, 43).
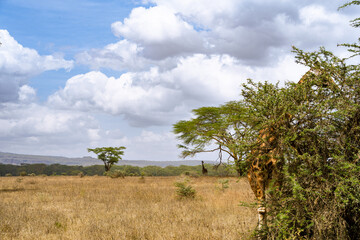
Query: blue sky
(90, 73)
(61, 27)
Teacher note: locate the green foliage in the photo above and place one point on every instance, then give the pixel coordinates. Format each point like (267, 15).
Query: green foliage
(312, 129)
(154, 171)
(354, 48)
(58, 169)
(215, 129)
(194, 174)
(109, 155)
(116, 174)
(142, 179)
(223, 184)
(316, 125)
(74, 172)
(23, 173)
(132, 170)
(59, 225)
(92, 170)
(185, 190)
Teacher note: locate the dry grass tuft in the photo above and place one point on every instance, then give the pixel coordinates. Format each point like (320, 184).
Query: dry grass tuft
(131, 208)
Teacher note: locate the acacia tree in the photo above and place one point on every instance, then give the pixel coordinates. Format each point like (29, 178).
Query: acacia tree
(320, 193)
(109, 155)
(220, 129)
(316, 125)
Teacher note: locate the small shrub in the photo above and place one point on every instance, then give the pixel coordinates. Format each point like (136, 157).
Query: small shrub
(191, 174)
(23, 173)
(32, 182)
(8, 175)
(142, 179)
(32, 174)
(116, 174)
(223, 184)
(185, 190)
(60, 226)
(194, 174)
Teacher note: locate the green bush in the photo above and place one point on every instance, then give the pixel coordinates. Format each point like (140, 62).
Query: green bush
(194, 174)
(223, 184)
(185, 190)
(116, 174)
(142, 179)
(317, 195)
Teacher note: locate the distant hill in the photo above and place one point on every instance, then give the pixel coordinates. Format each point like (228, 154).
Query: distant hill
(18, 159)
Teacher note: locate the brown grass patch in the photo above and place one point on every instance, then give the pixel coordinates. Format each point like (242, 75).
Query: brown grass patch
(103, 208)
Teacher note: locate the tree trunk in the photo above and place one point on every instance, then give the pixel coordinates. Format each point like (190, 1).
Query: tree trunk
(107, 167)
(262, 224)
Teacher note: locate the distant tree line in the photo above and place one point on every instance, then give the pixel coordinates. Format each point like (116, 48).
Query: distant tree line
(65, 170)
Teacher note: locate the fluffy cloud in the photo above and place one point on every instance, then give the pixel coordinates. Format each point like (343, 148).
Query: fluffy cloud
(234, 13)
(154, 96)
(95, 91)
(256, 33)
(159, 144)
(157, 97)
(163, 144)
(32, 128)
(173, 56)
(316, 27)
(206, 14)
(122, 55)
(27, 94)
(160, 31)
(35, 120)
(18, 64)
(38, 129)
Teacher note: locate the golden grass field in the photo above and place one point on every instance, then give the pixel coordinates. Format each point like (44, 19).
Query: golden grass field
(64, 207)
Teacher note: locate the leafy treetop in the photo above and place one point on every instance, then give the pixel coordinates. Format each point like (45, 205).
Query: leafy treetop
(215, 129)
(109, 155)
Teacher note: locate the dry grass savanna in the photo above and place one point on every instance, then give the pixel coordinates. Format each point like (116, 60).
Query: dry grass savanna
(63, 207)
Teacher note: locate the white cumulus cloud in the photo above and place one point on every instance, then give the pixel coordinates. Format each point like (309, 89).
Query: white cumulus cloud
(123, 55)
(18, 64)
(159, 31)
(158, 97)
(171, 56)
(257, 33)
(33, 128)
(27, 94)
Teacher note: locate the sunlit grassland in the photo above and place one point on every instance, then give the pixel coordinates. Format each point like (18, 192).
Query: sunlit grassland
(131, 208)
